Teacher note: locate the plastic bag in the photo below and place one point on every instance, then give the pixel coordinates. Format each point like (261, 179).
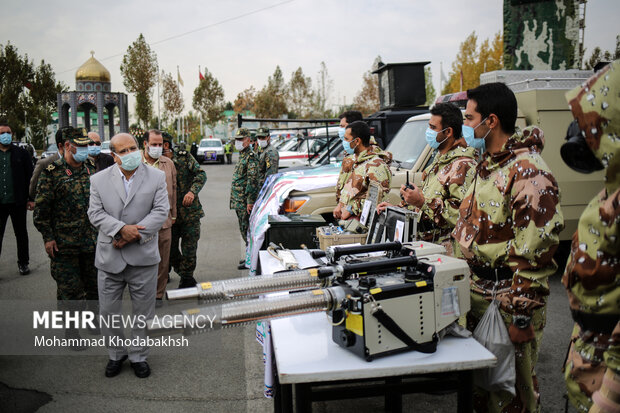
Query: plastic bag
(491, 333)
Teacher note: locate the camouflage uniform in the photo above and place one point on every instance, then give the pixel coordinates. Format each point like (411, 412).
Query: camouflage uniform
(509, 225)
(244, 190)
(370, 165)
(187, 225)
(347, 166)
(60, 215)
(592, 275)
(446, 180)
(268, 160)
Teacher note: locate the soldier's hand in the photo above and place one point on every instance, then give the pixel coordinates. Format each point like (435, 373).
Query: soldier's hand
(382, 206)
(50, 248)
(30, 205)
(412, 196)
(250, 206)
(188, 199)
(338, 211)
(345, 214)
(130, 233)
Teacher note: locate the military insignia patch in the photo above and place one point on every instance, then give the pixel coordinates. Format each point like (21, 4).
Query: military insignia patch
(51, 167)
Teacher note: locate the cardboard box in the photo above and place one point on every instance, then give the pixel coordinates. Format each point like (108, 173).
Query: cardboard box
(338, 239)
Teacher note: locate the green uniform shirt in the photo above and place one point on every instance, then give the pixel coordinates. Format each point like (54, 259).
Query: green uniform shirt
(243, 188)
(268, 159)
(190, 177)
(61, 206)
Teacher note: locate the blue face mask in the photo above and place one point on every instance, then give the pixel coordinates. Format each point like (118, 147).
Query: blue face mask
(130, 161)
(6, 138)
(431, 138)
(341, 133)
(94, 150)
(347, 147)
(81, 153)
(476, 143)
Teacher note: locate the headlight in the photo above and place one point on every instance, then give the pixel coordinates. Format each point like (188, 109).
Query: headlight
(293, 204)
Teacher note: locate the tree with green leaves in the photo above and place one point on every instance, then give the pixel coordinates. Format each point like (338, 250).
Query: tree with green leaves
(27, 94)
(209, 99)
(300, 94)
(139, 71)
(172, 97)
(472, 61)
(271, 100)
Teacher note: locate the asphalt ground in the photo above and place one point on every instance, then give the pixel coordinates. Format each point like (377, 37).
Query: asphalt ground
(219, 373)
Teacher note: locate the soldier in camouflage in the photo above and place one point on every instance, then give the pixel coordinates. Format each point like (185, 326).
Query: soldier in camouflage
(268, 160)
(445, 180)
(369, 166)
(346, 167)
(244, 190)
(592, 276)
(186, 229)
(508, 230)
(60, 215)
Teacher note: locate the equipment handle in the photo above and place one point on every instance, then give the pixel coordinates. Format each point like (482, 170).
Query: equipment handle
(380, 265)
(337, 251)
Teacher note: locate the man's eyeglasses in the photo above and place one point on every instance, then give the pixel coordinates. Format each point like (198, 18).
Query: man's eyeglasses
(95, 143)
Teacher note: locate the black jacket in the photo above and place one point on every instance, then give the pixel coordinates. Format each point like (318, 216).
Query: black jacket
(102, 161)
(21, 167)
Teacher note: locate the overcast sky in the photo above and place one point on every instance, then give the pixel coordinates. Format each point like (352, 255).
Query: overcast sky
(243, 41)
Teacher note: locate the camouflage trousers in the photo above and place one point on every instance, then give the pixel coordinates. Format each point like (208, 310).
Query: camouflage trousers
(244, 222)
(75, 275)
(590, 355)
(187, 232)
(527, 399)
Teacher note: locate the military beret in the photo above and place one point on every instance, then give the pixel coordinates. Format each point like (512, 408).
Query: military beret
(242, 133)
(262, 132)
(76, 136)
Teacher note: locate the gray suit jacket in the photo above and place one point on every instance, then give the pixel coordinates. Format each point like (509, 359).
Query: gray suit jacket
(110, 209)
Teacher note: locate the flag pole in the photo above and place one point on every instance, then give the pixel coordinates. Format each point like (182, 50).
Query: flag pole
(158, 96)
(440, 76)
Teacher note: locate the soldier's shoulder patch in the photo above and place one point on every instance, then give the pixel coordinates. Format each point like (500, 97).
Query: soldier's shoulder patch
(51, 167)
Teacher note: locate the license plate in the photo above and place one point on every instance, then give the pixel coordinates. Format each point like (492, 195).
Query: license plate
(210, 155)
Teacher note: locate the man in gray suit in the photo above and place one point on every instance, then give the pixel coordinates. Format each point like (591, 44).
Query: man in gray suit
(128, 205)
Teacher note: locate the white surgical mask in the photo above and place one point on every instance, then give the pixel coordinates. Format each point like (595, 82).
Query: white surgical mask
(239, 145)
(155, 151)
(262, 143)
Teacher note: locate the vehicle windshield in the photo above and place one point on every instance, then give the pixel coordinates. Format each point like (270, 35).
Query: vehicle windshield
(408, 143)
(210, 144)
(52, 148)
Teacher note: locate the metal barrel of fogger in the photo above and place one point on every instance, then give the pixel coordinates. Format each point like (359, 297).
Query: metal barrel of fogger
(248, 286)
(334, 252)
(242, 312)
